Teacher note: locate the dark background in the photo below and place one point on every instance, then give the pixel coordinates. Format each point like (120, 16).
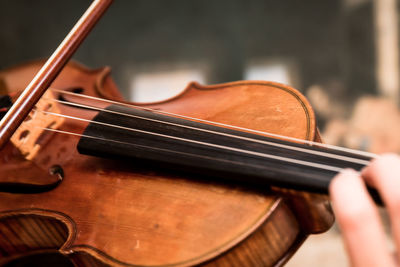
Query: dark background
(327, 42)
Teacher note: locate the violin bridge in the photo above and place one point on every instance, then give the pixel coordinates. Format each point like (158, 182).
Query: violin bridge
(33, 133)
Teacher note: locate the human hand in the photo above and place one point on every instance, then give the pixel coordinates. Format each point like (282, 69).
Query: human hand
(358, 216)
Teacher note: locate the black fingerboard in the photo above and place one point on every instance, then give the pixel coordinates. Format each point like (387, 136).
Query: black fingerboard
(197, 147)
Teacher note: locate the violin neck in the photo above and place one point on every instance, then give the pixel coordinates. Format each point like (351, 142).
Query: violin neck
(214, 152)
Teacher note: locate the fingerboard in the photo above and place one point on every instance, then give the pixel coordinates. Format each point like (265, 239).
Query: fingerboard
(224, 154)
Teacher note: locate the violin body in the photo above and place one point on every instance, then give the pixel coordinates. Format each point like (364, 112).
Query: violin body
(108, 212)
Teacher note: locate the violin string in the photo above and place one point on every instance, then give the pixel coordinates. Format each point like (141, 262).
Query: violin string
(289, 147)
(278, 136)
(299, 162)
(259, 154)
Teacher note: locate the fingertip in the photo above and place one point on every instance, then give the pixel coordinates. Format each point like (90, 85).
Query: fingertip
(380, 168)
(350, 199)
(390, 156)
(341, 180)
(346, 173)
(341, 188)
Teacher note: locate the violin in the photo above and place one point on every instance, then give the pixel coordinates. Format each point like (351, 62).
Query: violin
(120, 212)
(213, 176)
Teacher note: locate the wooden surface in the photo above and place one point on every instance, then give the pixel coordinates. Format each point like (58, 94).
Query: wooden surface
(125, 214)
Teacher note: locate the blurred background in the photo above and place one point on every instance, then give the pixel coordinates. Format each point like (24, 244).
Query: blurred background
(342, 54)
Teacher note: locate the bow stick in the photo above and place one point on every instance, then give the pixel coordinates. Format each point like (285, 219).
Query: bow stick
(53, 66)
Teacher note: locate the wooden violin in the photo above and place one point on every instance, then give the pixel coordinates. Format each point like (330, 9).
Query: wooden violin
(206, 177)
(120, 212)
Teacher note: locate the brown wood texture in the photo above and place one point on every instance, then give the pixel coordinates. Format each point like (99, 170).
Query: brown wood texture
(128, 215)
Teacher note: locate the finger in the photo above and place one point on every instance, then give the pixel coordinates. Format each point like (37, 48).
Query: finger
(384, 174)
(359, 220)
